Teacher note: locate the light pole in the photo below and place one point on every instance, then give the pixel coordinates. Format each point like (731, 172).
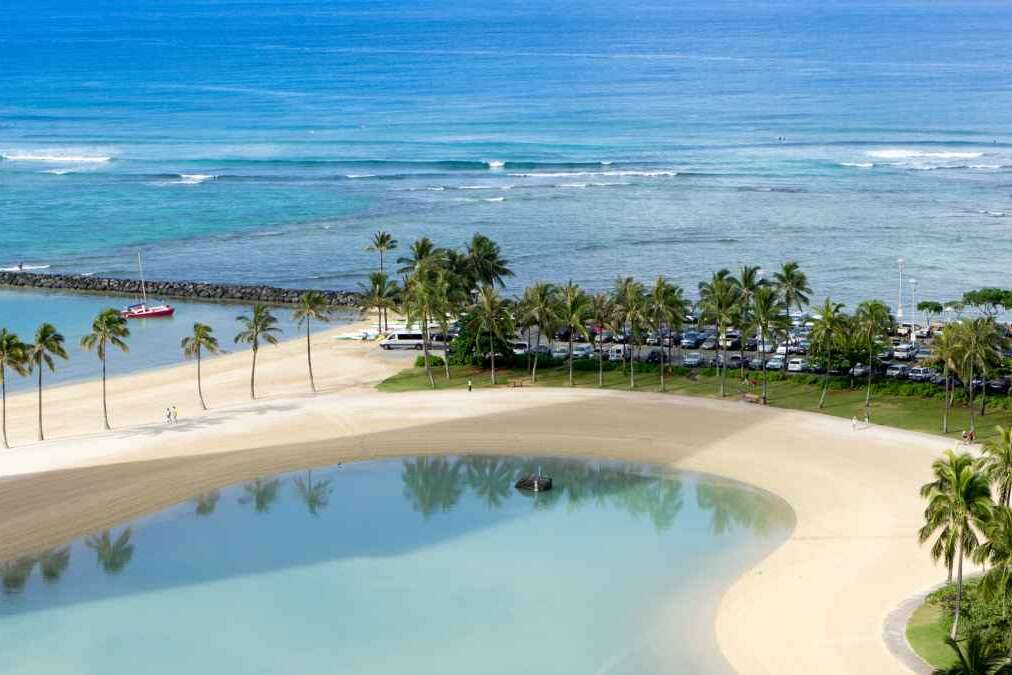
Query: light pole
(913, 310)
(899, 293)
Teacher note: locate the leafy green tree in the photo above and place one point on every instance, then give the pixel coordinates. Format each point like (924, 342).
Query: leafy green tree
(315, 496)
(420, 251)
(825, 333)
(988, 300)
(666, 311)
(769, 317)
(12, 357)
(873, 321)
(931, 309)
(996, 553)
(259, 326)
(996, 463)
(720, 298)
(485, 262)
(108, 328)
(489, 316)
(980, 346)
(749, 280)
(975, 657)
(448, 298)
(112, 554)
(380, 294)
(48, 343)
(792, 285)
(542, 309)
(959, 505)
(575, 308)
(948, 352)
(194, 345)
(313, 306)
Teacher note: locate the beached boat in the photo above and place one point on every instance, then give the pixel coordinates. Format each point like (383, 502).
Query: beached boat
(142, 310)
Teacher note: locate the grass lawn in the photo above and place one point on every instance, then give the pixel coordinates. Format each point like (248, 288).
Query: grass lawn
(926, 633)
(905, 412)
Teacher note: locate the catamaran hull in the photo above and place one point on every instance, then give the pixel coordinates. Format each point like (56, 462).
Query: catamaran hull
(153, 313)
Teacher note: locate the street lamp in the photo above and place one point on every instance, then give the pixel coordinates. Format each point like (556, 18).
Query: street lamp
(899, 293)
(913, 309)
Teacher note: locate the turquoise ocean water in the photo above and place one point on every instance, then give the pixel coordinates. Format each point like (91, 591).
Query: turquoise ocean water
(264, 141)
(426, 565)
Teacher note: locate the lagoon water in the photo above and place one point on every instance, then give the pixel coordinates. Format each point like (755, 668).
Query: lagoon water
(425, 565)
(265, 141)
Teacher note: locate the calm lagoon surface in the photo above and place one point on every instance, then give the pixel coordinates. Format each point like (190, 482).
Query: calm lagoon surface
(421, 565)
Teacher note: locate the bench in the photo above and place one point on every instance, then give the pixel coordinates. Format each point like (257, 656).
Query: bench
(518, 382)
(752, 398)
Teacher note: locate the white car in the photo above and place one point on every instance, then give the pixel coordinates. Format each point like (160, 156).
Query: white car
(796, 366)
(583, 351)
(776, 363)
(560, 352)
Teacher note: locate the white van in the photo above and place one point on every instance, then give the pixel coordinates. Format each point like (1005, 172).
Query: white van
(411, 340)
(615, 353)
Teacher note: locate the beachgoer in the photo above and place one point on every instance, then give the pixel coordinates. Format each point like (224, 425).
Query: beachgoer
(168, 415)
(175, 414)
(866, 420)
(853, 423)
(21, 267)
(469, 385)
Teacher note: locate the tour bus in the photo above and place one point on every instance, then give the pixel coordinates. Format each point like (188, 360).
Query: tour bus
(411, 340)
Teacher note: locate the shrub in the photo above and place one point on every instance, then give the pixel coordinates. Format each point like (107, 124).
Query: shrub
(433, 361)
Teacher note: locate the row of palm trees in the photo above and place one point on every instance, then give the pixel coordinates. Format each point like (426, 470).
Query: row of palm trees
(968, 515)
(109, 329)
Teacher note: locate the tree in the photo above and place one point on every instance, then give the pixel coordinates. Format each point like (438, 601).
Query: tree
(980, 347)
(420, 251)
(601, 312)
(542, 310)
(418, 304)
(666, 312)
(575, 306)
(108, 328)
(193, 345)
(260, 325)
(631, 312)
(48, 343)
(959, 504)
(380, 294)
(947, 351)
(315, 496)
(976, 657)
(792, 285)
(824, 333)
(382, 242)
(996, 463)
(996, 553)
(749, 280)
(448, 297)
(873, 321)
(720, 298)
(313, 306)
(769, 316)
(489, 316)
(485, 262)
(988, 300)
(12, 357)
(931, 309)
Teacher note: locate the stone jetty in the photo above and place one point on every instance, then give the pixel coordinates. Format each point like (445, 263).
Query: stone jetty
(188, 290)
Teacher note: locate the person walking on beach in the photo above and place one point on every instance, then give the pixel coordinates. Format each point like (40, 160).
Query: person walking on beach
(168, 415)
(175, 414)
(469, 385)
(853, 423)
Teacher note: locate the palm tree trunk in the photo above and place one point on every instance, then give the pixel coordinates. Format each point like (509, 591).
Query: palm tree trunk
(723, 367)
(425, 350)
(663, 388)
(600, 361)
(41, 438)
(309, 359)
(491, 344)
(969, 395)
(252, 375)
(200, 390)
(105, 407)
(983, 392)
(3, 414)
(948, 401)
(632, 368)
(570, 356)
(446, 349)
(825, 383)
(867, 395)
(528, 349)
(537, 348)
(959, 590)
(762, 345)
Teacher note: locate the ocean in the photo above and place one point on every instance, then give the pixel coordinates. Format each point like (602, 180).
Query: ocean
(264, 141)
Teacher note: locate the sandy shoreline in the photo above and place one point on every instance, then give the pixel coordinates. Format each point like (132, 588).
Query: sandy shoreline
(817, 604)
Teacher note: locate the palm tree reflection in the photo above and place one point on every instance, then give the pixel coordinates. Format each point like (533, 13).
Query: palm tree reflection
(736, 506)
(54, 563)
(490, 478)
(113, 555)
(314, 496)
(432, 484)
(206, 503)
(16, 573)
(261, 493)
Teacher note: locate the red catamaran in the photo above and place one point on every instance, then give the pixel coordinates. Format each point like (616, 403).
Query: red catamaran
(143, 310)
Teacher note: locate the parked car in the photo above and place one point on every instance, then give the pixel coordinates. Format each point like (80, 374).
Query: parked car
(616, 353)
(898, 371)
(560, 351)
(859, 370)
(921, 374)
(776, 363)
(751, 344)
(520, 348)
(691, 340)
(733, 360)
(796, 365)
(905, 352)
(710, 343)
(885, 355)
(755, 364)
(998, 385)
(693, 360)
(654, 356)
(583, 351)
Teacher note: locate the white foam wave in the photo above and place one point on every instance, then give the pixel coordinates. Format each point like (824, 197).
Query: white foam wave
(496, 164)
(360, 175)
(859, 165)
(494, 199)
(482, 187)
(58, 172)
(24, 268)
(194, 178)
(580, 174)
(993, 214)
(31, 157)
(900, 153)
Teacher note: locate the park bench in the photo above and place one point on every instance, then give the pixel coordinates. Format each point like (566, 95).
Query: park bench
(752, 398)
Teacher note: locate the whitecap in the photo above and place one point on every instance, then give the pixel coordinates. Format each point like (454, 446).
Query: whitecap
(194, 178)
(496, 164)
(494, 199)
(58, 172)
(360, 175)
(859, 165)
(24, 268)
(580, 174)
(901, 153)
(31, 157)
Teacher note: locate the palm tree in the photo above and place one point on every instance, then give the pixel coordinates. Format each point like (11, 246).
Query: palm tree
(260, 325)
(947, 350)
(48, 343)
(792, 285)
(489, 315)
(996, 552)
(448, 297)
(421, 250)
(980, 345)
(12, 356)
(200, 340)
(315, 496)
(379, 294)
(575, 308)
(112, 555)
(977, 657)
(485, 262)
(769, 316)
(996, 463)
(720, 298)
(959, 503)
(631, 311)
(824, 333)
(418, 304)
(873, 320)
(749, 280)
(313, 306)
(601, 311)
(108, 328)
(542, 310)
(382, 242)
(666, 310)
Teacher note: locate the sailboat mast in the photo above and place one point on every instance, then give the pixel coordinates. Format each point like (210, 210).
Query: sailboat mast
(144, 293)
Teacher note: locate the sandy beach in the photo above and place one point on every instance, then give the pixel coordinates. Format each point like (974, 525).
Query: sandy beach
(817, 604)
